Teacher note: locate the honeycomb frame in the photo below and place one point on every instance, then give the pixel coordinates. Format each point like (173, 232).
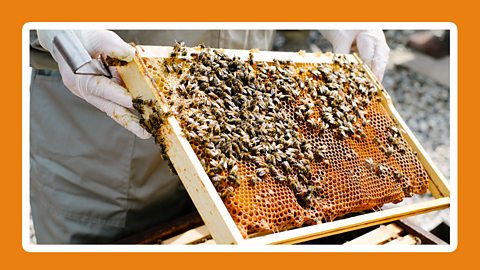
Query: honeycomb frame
(211, 207)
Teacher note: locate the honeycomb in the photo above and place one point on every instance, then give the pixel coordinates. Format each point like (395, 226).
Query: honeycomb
(370, 166)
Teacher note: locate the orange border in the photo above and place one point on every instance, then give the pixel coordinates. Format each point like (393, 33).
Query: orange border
(14, 18)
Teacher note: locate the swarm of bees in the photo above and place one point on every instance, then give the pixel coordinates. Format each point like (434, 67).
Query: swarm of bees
(236, 112)
(152, 119)
(245, 111)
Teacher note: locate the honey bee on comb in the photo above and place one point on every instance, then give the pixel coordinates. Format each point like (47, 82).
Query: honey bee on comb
(285, 144)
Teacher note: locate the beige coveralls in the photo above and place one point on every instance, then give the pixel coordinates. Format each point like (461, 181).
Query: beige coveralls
(91, 180)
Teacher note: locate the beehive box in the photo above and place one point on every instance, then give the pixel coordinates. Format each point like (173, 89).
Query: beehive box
(331, 161)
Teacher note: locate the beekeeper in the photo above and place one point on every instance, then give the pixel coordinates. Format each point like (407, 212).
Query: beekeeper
(94, 180)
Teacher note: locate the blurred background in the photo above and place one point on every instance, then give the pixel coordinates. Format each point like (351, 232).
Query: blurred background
(417, 79)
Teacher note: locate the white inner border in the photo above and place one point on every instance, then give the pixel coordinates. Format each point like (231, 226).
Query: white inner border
(26, 71)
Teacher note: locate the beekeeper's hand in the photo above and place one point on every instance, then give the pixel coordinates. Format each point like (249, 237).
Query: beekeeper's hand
(104, 93)
(371, 45)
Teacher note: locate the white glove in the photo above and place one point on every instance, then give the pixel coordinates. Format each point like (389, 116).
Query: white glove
(105, 94)
(371, 44)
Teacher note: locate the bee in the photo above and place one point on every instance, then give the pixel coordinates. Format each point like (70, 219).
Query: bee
(301, 84)
(394, 130)
(254, 180)
(234, 169)
(351, 118)
(168, 68)
(397, 176)
(339, 114)
(233, 178)
(389, 151)
(261, 172)
(280, 177)
(229, 190)
(217, 178)
(171, 167)
(316, 73)
(286, 167)
(381, 169)
(370, 164)
(391, 138)
(362, 133)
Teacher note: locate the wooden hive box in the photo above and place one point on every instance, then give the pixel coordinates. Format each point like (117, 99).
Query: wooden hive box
(203, 193)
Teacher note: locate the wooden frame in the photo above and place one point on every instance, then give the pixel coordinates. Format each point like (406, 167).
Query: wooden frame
(203, 193)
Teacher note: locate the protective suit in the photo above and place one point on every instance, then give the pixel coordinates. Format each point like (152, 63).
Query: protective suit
(92, 181)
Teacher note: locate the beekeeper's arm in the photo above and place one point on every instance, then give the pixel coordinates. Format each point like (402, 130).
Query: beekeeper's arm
(371, 44)
(104, 93)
